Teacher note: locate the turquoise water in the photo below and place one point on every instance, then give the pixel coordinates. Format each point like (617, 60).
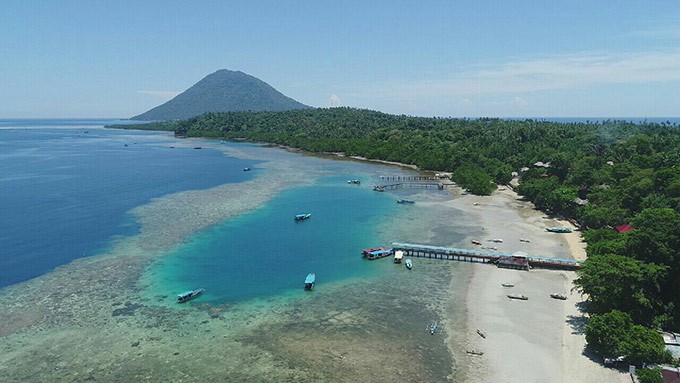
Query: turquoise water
(266, 252)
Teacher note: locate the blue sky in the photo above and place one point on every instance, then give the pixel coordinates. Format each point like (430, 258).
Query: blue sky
(499, 58)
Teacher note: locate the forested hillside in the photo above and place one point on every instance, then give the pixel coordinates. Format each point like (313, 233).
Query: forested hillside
(603, 175)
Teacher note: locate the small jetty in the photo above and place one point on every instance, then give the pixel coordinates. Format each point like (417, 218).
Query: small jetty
(310, 281)
(520, 261)
(376, 253)
(302, 217)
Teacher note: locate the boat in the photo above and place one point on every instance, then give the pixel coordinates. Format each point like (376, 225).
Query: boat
(408, 263)
(476, 242)
(247, 169)
(524, 240)
(406, 201)
(496, 240)
(434, 326)
(559, 229)
(481, 333)
(310, 281)
(507, 285)
(302, 217)
(189, 295)
(474, 352)
(494, 248)
(376, 253)
(355, 182)
(558, 296)
(398, 256)
(378, 188)
(518, 296)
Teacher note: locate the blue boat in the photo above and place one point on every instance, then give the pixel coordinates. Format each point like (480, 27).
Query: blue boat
(189, 295)
(302, 217)
(406, 201)
(559, 229)
(309, 281)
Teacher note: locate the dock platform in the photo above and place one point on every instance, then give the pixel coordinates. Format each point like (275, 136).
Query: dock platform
(515, 261)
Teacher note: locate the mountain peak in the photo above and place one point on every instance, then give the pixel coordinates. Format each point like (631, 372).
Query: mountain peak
(222, 91)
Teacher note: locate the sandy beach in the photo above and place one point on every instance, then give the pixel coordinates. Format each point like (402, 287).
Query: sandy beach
(537, 340)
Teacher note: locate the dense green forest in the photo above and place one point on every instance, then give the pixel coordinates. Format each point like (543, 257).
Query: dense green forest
(602, 175)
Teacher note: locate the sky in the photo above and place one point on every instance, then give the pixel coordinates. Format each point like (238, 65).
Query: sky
(455, 58)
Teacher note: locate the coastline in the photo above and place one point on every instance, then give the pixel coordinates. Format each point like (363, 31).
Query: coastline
(538, 340)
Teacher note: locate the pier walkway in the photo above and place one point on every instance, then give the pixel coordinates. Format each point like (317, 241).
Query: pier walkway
(514, 261)
(414, 182)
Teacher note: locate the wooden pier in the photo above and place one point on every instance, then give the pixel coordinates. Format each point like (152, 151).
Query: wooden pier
(500, 259)
(424, 182)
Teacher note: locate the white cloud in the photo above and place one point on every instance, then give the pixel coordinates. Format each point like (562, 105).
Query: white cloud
(166, 94)
(573, 71)
(335, 101)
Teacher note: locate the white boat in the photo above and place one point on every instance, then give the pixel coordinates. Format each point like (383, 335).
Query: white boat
(409, 263)
(189, 295)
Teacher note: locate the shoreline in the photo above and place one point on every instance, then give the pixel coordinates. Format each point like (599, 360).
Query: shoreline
(538, 340)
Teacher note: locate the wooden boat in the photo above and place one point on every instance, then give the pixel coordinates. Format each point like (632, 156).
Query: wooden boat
(524, 240)
(302, 217)
(559, 229)
(355, 182)
(474, 352)
(507, 285)
(558, 296)
(518, 296)
(189, 295)
(378, 188)
(310, 281)
(476, 242)
(481, 333)
(408, 263)
(406, 201)
(376, 253)
(496, 240)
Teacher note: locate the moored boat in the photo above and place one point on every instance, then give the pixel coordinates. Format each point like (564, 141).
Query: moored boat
(406, 201)
(481, 333)
(378, 188)
(310, 281)
(246, 169)
(189, 295)
(355, 182)
(434, 326)
(301, 217)
(507, 285)
(408, 263)
(398, 256)
(376, 253)
(558, 296)
(476, 242)
(518, 296)
(559, 229)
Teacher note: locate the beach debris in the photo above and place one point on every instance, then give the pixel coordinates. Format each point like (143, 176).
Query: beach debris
(524, 240)
(507, 285)
(518, 297)
(481, 333)
(475, 352)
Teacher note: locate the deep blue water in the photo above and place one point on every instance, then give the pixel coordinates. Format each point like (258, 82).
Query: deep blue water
(66, 186)
(267, 252)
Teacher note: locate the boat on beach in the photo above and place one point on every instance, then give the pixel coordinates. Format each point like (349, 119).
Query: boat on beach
(189, 295)
(559, 229)
(507, 285)
(518, 297)
(476, 242)
(302, 217)
(408, 263)
(376, 253)
(558, 296)
(310, 281)
(475, 352)
(481, 333)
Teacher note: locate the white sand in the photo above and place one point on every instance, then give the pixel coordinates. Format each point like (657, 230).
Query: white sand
(538, 340)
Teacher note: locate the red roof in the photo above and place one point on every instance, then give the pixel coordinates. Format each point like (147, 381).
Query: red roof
(624, 228)
(670, 376)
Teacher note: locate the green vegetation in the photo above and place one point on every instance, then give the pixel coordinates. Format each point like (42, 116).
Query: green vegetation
(600, 174)
(222, 91)
(649, 375)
